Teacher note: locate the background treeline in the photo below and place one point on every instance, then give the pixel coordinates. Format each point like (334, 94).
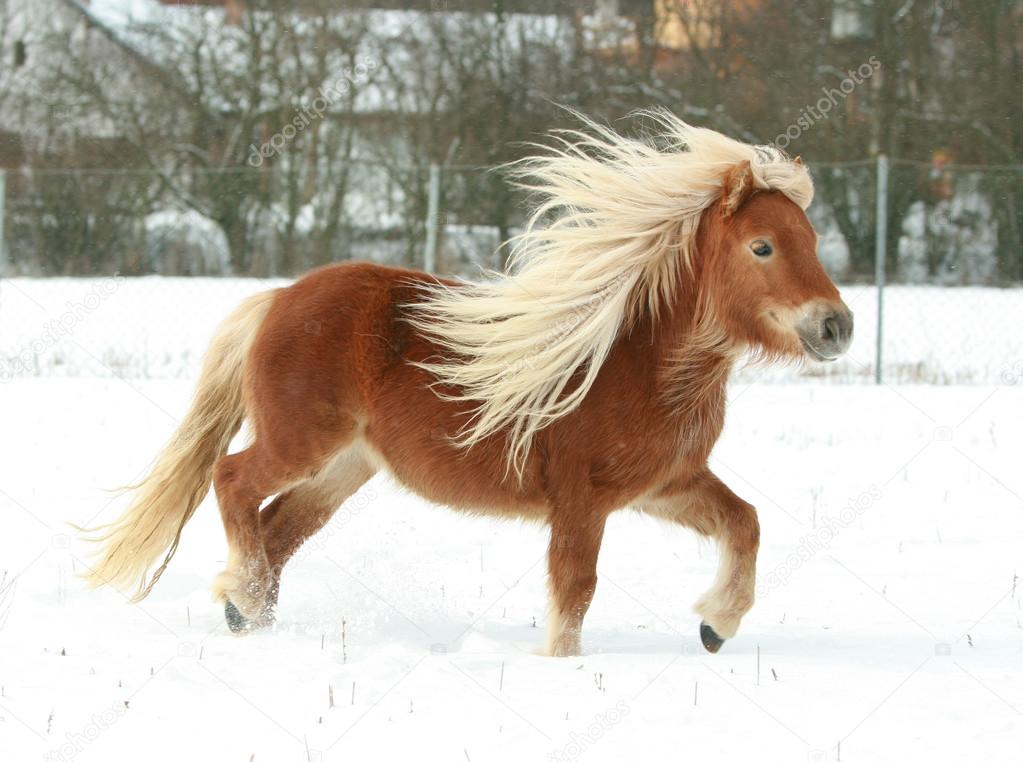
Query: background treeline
(188, 141)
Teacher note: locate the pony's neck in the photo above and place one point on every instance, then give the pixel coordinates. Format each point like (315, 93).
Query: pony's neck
(693, 356)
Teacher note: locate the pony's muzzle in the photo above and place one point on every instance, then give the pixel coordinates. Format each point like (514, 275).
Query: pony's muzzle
(826, 331)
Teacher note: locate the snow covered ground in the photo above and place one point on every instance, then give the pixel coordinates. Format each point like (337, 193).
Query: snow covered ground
(888, 624)
(888, 619)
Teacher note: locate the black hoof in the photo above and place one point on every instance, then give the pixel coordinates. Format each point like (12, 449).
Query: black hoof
(235, 621)
(711, 640)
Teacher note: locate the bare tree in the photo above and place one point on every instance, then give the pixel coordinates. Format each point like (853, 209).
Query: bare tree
(222, 109)
(245, 121)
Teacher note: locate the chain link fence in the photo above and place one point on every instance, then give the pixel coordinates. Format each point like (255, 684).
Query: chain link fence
(930, 258)
(251, 223)
(127, 272)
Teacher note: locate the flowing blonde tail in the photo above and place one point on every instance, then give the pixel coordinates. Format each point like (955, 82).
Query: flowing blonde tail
(166, 499)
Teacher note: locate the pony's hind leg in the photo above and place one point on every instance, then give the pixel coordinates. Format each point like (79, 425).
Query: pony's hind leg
(706, 505)
(572, 569)
(294, 516)
(241, 482)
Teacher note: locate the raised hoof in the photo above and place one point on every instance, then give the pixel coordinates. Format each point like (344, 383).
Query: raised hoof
(235, 621)
(711, 640)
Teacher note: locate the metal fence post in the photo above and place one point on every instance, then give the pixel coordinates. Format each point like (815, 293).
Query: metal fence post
(3, 251)
(432, 212)
(880, 251)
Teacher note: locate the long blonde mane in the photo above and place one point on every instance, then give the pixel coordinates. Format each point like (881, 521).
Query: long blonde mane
(612, 233)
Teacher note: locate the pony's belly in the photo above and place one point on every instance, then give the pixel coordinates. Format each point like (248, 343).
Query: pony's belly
(454, 478)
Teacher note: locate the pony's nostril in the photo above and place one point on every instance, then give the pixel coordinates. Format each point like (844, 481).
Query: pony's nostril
(830, 330)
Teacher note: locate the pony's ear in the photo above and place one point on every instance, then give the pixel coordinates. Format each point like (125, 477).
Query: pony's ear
(737, 188)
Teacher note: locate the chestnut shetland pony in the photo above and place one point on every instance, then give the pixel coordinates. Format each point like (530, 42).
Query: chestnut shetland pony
(591, 379)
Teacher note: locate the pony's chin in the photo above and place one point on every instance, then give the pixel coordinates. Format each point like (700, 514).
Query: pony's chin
(811, 352)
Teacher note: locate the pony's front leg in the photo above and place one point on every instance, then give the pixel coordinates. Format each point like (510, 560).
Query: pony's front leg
(572, 569)
(706, 505)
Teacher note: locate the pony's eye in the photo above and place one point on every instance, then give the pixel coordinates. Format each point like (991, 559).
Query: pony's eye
(761, 248)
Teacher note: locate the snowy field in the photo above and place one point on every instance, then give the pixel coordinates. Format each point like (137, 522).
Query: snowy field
(157, 327)
(888, 624)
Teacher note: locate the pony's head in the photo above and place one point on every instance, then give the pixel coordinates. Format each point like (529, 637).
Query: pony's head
(758, 261)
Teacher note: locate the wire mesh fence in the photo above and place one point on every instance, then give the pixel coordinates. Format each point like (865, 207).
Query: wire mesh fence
(248, 222)
(127, 272)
